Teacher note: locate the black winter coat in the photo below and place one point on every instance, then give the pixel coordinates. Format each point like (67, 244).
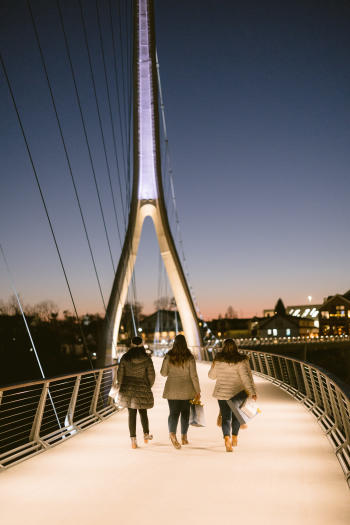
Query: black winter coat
(135, 377)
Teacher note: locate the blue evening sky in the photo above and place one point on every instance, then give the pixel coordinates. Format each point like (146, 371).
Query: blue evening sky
(257, 102)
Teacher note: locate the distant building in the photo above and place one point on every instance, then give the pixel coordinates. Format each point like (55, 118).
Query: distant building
(301, 311)
(335, 315)
(230, 328)
(305, 311)
(161, 326)
(284, 324)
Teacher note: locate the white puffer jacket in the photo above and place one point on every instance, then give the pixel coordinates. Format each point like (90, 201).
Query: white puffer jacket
(231, 378)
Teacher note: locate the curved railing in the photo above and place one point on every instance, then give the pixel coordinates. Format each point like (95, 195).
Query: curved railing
(318, 392)
(40, 414)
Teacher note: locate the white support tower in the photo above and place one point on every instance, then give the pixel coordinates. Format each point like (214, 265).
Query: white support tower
(147, 194)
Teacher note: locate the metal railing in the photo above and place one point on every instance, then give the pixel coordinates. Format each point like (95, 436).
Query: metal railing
(311, 386)
(40, 414)
(287, 340)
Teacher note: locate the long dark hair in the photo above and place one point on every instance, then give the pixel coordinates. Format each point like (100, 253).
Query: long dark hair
(179, 352)
(229, 353)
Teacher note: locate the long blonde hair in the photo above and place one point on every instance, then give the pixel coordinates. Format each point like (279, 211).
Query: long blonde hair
(179, 352)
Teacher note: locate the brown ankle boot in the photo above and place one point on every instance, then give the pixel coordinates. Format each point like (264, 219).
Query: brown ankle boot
(234, 441)
(174, 440)
(228, 444)
(147, 437)
(133, 443)
(184, 439)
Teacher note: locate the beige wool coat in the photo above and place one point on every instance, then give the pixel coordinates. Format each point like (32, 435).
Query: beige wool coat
(231, 378)
(182, 381)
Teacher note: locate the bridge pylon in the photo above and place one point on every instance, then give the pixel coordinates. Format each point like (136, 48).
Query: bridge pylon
(147, 198)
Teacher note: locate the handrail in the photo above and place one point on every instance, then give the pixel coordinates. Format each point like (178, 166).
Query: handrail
(53, 378)
(37, 415)
(325, 397)
(40, 414)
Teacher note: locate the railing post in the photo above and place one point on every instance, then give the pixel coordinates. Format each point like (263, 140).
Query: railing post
(260, 363)
(274, 368)
(314, 388)
(345, 419)
(297, 377)
(96, 393)
(329, 409)
(268, 368)
(73, 401)
(35, 431)
(279, 359)
(289, 375)
(306, 383)
(1, 394)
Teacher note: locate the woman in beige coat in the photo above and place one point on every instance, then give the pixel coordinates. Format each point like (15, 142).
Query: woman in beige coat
(181, 386)
(234, 382)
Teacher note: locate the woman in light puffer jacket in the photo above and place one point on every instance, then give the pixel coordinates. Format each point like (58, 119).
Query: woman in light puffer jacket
(234, 382)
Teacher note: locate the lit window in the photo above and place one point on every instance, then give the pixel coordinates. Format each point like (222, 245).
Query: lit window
(269, 332)
(297, 312)
(340, 310)
(325, 315)
(348, 313)
(274, 331)
(291, 311)
(287, 331)
(306, 312)
(317, 324)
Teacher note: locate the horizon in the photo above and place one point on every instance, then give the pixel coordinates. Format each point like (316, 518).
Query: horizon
(257, 111)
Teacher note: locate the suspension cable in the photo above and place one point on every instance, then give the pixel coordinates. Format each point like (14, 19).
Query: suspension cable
(123, 68)
(60, 127)
(82, 118)
(86, 137)
(172, 188)
(118, 95)
(11, 281)
(107, 88)
(45, 208)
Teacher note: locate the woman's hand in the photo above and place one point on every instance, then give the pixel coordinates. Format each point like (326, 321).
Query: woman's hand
(197, 398)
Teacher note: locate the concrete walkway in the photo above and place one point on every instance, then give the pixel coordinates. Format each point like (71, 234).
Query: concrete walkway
(283, 471)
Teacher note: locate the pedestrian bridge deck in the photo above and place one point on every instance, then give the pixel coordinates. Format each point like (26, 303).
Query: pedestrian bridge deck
(283, 471)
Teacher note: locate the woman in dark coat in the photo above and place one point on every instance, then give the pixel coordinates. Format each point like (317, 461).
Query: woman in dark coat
(135, 378)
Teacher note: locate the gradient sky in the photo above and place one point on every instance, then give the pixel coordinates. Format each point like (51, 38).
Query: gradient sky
(257, 98)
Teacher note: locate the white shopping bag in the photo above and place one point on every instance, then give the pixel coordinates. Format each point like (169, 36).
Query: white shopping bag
(249, 408)
(197, 418)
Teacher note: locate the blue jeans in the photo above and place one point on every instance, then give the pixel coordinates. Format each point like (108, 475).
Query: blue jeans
(230, 424)
(177, 407)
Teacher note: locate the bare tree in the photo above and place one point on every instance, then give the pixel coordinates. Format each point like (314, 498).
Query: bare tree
(231, 313)
(163, 303)
(45, 310)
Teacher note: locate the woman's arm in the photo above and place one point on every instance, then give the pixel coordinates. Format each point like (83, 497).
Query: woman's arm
(247, 378)
(151, 375)
(164, 371)
(194, 377)
(212, 372)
